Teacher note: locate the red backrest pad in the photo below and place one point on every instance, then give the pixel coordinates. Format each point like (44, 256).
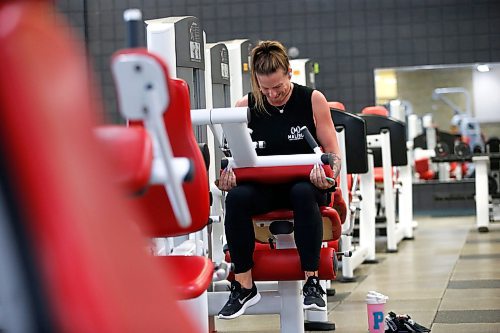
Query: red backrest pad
(155, 202)
(336, 105)
(131, 154)
(378, 110)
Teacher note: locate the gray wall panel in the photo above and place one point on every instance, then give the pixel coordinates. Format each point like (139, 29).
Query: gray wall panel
(349, 38)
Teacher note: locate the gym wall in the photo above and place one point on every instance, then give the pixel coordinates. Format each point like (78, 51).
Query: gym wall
(349, 38)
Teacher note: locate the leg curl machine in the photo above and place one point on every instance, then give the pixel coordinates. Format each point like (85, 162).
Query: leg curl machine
(280, 263)
(387, 138)
(175, 198)
(358, 162)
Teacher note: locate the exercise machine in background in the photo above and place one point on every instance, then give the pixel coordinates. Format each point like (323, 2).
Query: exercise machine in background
(304, 72)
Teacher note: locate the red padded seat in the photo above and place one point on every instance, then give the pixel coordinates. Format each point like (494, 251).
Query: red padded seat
(130, 150)
(423, 169)
(131, 153)
(192, 274)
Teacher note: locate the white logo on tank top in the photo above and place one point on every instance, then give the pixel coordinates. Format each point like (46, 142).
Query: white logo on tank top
(295, 134)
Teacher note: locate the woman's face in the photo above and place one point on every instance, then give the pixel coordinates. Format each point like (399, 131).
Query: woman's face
(276, 87)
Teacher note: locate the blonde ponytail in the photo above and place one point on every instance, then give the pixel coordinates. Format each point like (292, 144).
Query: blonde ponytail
(267, 58)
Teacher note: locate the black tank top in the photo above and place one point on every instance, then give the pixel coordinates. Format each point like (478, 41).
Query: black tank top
(280, 131)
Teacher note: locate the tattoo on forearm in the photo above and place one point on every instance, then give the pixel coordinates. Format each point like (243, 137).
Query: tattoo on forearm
(336, 164)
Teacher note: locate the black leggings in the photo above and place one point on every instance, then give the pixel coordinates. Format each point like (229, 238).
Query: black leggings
(249, 199)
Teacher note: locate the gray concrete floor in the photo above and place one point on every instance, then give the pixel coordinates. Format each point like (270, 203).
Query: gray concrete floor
(447, 279)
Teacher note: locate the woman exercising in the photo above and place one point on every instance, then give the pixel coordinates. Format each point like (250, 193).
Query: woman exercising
(279, 108)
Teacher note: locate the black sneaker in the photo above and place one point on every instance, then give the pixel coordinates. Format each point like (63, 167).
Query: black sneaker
(402, 324)
(239, 299)
(313, 295)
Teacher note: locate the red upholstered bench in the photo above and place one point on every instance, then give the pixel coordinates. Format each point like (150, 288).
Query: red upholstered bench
(274, 264)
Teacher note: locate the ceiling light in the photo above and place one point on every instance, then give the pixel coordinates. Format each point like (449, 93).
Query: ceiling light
(483, 68)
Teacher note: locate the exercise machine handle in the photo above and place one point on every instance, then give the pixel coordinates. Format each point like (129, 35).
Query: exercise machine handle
(310, 140)
(133, 18)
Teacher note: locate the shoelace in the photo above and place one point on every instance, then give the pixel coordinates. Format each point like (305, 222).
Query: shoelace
(235, 294)
(313, 288)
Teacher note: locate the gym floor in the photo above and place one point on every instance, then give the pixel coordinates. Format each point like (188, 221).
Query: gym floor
(446, 279)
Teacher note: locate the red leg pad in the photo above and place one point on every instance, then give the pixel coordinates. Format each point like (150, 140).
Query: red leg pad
(191, 274)
(284, 265)
(339, 204)
(277, 175)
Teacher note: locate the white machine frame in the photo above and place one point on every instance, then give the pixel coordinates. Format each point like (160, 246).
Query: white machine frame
(236, 78)
(300, 72)
(365, 250)
(404, 229)
(285, 300)
(234, 124)
(482, 192)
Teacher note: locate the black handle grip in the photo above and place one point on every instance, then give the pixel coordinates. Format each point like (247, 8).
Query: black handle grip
(191, 172)
(327, 158)
(133, 18)
(224, 163)
(205, 152)
(309, 138)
